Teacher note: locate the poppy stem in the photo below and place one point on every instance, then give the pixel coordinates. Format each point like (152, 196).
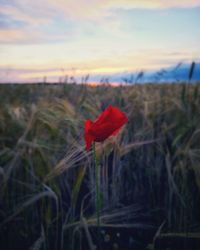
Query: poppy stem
(97, 174)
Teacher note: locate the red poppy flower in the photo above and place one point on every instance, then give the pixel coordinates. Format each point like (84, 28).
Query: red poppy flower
(108, 123)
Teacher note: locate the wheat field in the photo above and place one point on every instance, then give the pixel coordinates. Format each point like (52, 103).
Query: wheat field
(149, 179)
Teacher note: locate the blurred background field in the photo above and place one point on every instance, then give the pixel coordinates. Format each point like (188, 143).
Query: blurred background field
(150, 175)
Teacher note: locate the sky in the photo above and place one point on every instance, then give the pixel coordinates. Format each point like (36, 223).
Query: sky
(54, 38)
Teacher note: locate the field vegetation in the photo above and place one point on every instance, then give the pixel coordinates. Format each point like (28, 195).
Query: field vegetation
(150, 172)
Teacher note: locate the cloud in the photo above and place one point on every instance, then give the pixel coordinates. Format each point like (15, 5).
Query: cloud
(22, 24)
(18, 26)
(98, 8)
(25, 17)
(142, 60)
(22, 15)
(22, 37)
(7, 34)
(153, 4)
(40, 12)
(98, 36)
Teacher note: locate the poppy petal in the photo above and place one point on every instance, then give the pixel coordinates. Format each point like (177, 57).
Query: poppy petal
(107, 124)
(88, 137)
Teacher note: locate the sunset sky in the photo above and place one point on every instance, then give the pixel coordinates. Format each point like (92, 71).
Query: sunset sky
(54, 38)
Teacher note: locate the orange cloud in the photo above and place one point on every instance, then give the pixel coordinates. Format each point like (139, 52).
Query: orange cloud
(5, 34)
(19, 36)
